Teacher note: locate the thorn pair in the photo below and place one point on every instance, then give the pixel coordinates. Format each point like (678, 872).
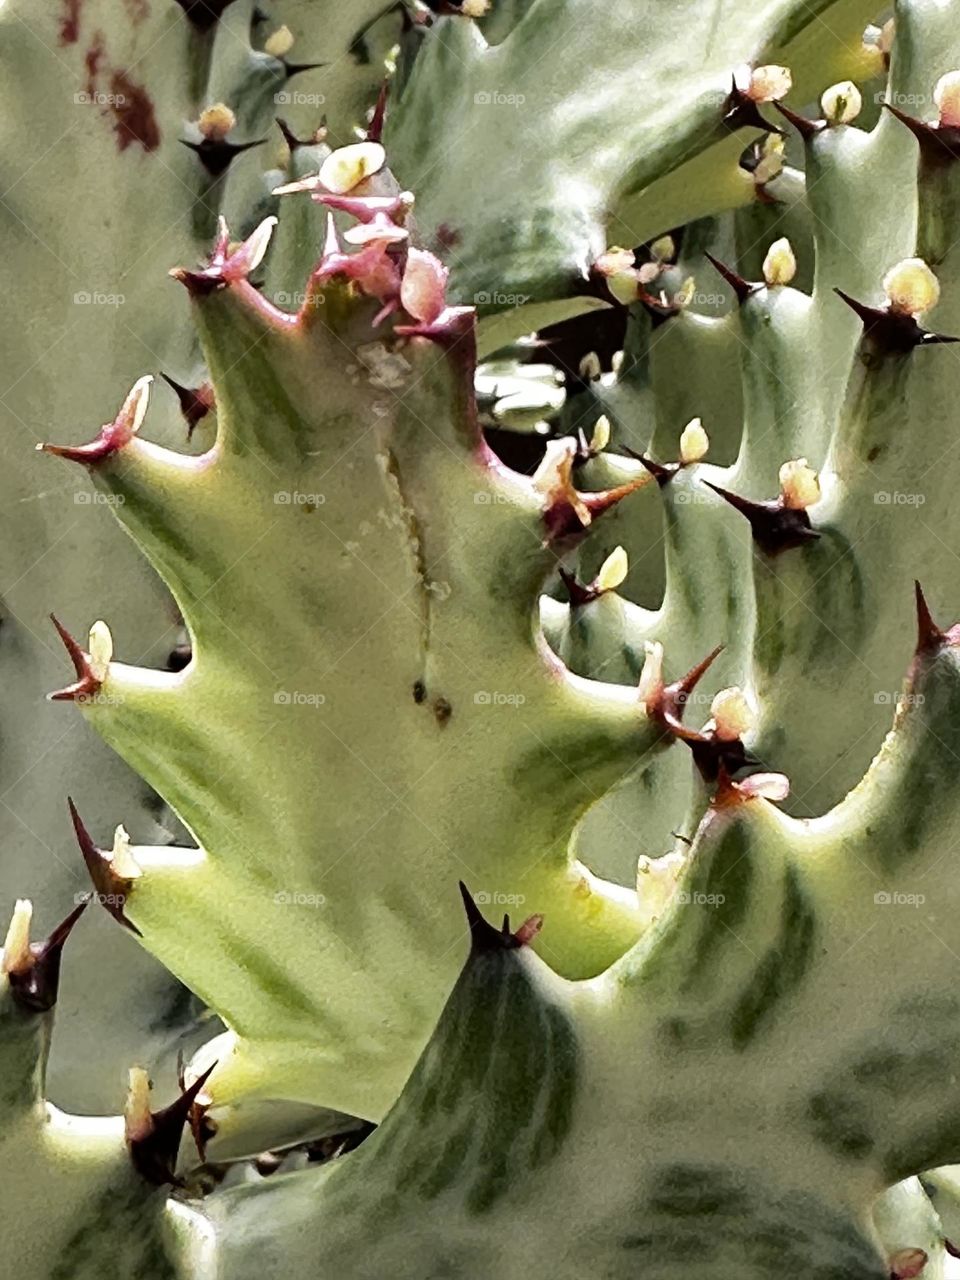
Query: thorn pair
(153, 1137)
(33, 968)
(485, 937)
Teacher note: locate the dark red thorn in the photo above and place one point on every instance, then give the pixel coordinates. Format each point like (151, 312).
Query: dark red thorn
(951, 1248)
(484, 937)
(110, 889)
(939, 144)
(892, 332)
(217, 154)
(663, 473)
(154, 1156)
(775, 527)
(204, 14)
(201, 1128)
(580, 593)
(673, 700)
(742, 288)
(294, 68)
(806, 128)
(741, 112)
(563, 521)
(929, 635)
(291, 139)
(195, 403)
(86, 684)
(375, 129)
(658, 310)
(603, 499)
(35, 988)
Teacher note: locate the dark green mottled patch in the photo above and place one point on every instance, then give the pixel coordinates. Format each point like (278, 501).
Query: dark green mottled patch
(841, 1123)
(730, 873)
(783, 966)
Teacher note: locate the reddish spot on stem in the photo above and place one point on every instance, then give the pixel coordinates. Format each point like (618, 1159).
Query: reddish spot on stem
(92, 60)
(135, 121)
(70, 22)
(138, 10)
(447, 237)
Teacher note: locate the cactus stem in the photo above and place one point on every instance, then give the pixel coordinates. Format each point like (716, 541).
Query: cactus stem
(775, 526)
(35, 981)
(113, 435)
(87, 683)
(742, 288)
(891, 331)
(111, 888)
(153, 1137)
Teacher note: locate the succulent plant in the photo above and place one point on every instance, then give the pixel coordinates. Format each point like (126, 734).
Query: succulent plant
(692, 1011)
